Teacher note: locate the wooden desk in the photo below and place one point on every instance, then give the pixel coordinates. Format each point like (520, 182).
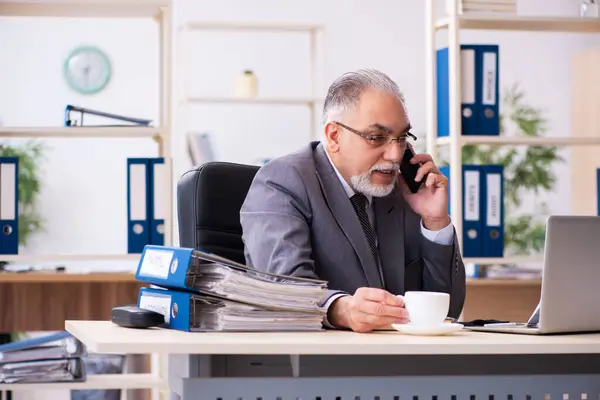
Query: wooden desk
(42, 301)
(502, 299)
(346, 364)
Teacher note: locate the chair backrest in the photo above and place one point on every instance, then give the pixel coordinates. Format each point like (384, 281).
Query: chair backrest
(209, 199)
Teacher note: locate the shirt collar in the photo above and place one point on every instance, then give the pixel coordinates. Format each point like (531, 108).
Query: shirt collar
(349, 191)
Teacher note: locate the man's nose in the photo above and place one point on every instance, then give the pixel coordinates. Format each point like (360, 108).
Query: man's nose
(393, 152)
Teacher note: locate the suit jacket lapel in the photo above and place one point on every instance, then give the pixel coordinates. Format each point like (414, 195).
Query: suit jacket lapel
(389, 220)
(344, 213)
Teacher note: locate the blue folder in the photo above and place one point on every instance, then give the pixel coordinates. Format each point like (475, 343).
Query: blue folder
(479, 90)
(138, 204)
(493, 195)
(158, 193)
(174, 305)
(472, 236)
(9, 205)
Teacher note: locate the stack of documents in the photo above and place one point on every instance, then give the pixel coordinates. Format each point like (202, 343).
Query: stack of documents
(485, 6)
(198, 291)
(52, 358)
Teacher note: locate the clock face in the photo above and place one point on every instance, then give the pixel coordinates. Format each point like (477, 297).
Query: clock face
(87, 70)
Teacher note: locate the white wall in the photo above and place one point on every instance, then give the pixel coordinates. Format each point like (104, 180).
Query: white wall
(83, 197)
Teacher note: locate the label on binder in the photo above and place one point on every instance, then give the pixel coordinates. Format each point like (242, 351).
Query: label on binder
(467, 76)
(156, 263)
(493, 200)
(471, 183)
(489, 79)
(157, 303)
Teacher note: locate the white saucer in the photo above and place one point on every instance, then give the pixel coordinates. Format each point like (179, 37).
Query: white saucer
(435, 330)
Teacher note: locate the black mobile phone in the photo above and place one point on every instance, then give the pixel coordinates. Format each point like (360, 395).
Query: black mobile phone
(409, 171)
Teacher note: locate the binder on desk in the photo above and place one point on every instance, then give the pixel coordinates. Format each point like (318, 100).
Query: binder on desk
(493, 195)
(9, 205)
(69, 121)
(479, 91)
(192, 270)
(472, 185)
(51, 358)
(187, 311)
(138, 194)
(158, 192)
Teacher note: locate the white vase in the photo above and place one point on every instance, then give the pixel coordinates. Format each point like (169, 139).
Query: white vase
(246, 85)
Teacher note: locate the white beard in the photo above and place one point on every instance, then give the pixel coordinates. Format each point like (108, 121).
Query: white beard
(362, 183)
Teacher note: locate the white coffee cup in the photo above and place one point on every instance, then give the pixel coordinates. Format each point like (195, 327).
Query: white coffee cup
(427, 308)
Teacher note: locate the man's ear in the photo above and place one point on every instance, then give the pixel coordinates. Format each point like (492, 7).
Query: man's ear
(332, 134)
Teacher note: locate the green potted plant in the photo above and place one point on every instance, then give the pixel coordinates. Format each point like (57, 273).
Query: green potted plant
(30, 155)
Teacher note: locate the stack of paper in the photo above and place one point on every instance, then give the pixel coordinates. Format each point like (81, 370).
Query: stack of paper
(221, 280)
(202, 291)
(52, 358)
(485, 6)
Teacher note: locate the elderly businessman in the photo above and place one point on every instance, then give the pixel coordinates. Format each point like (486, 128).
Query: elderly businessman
(339, 210)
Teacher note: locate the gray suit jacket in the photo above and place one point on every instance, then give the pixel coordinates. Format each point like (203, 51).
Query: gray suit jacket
(297, 220)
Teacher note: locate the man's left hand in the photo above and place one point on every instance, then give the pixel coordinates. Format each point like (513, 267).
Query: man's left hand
(431, 200)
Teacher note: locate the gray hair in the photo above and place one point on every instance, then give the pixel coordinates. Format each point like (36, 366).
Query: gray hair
(346, 90)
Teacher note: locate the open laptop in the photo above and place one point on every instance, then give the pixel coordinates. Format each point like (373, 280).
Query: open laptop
(570, 279)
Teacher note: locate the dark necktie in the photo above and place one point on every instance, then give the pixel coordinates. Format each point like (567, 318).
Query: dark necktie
(359, 201)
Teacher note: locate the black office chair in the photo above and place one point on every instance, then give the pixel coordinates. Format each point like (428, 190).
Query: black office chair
(209, 198)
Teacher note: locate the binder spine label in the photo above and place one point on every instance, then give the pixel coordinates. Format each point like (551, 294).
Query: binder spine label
(493, 200)
(158, 303)
(468, 76)
(489, 79)
(471, 184)
(159, 188)
(9, 198)
(138, 192)
(156, 263)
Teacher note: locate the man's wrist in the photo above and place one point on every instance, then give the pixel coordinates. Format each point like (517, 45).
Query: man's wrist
(337, 314)
(436, 224)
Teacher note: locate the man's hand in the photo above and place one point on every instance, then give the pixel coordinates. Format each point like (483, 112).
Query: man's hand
(431, 201)
(368, 309)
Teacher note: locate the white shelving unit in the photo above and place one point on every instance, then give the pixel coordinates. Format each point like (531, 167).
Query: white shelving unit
(452, 24)
(185, 99)
(161, 12)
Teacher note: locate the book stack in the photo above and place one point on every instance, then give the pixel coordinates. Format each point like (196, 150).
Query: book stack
(485, 6)
(199, 291)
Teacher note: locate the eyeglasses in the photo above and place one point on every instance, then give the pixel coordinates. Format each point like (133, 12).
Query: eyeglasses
(377, 139)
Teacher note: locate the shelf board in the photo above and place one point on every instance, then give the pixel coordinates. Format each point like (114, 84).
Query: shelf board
(257, 100)
(504, 260)
(251, 26)
(27, 258)
(83, 132)
(102, 381)
(472, 282)
(66, 277)
(523, 23)
(523, 140)
(83, 8)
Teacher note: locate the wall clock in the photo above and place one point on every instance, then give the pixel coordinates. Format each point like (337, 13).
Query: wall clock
(87, 70)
